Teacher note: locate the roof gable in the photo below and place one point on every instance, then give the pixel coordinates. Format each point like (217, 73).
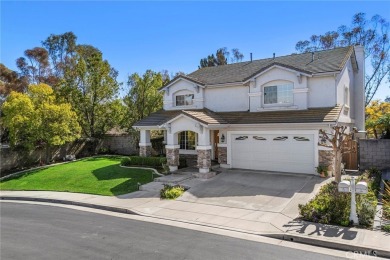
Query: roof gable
(324, 61)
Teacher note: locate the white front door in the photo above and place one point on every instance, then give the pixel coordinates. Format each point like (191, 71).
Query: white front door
(273, 152)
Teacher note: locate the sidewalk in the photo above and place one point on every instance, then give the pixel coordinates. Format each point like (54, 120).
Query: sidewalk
(147, 203)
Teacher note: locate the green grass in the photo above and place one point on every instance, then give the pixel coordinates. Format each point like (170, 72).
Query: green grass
(97, 175)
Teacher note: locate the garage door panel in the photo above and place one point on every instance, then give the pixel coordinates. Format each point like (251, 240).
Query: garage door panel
(273, 152)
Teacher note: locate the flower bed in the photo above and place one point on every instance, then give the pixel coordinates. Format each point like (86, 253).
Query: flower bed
(332, 207)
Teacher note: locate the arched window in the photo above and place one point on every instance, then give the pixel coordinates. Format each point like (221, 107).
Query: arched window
(187, 140)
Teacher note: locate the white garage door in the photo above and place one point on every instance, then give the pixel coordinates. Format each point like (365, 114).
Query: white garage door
(273, 152)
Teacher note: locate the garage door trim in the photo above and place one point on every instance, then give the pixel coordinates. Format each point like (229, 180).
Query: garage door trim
(276, 132)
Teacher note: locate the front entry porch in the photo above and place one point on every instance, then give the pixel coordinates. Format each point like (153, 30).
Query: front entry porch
(185, 136)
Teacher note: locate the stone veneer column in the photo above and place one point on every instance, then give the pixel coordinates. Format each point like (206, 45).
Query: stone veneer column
(172, 152)
(204, 160)
(222, 155)
(145, 150)
(326, 158)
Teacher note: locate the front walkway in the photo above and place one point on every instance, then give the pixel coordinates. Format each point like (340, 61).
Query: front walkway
(255, 217)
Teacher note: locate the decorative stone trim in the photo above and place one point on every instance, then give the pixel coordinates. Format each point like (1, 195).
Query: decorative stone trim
(145, 151)
(204, 160)
(222, 155)
(326, 158)
(172, 158)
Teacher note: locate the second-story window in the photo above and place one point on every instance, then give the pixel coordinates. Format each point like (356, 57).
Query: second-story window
(184, 100)
(280, 94)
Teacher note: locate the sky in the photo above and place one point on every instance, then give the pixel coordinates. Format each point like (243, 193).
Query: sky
(174, 36)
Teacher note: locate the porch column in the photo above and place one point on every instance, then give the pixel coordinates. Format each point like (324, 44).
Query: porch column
(204, 153)
(204, 158)
(145, 146)
(172, 151)
(172, 157)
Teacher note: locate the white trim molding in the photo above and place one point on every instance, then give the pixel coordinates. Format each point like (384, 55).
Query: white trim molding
(222, 145)
(169, 146)
(145, 144)
(203, 147)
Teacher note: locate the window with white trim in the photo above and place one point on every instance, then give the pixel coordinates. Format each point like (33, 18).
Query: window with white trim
(187, 140)
(185, 100)
(279, 94)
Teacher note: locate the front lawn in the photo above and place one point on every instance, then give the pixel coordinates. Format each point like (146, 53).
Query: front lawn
(96, 175)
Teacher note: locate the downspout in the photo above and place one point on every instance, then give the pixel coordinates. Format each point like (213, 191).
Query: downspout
(249, 91)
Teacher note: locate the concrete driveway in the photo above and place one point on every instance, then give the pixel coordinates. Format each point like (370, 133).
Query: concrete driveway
(255, 190)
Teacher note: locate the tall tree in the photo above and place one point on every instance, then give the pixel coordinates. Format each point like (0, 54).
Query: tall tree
(35, 118)
(221, 58)
(91, 86)
(143, 97)
(237, 55)
(35, 66)
(373, 34)
(61, 49)
(10, 81)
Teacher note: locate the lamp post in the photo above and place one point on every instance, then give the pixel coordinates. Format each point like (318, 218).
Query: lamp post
(359, 188)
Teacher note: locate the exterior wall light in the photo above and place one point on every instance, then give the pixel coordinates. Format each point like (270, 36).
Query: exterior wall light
(222, 138)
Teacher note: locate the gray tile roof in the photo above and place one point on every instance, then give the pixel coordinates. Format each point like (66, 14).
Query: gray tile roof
(324, 61)
(208, 117)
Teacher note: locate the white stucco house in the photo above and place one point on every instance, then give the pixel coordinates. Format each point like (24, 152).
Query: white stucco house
(262, 114)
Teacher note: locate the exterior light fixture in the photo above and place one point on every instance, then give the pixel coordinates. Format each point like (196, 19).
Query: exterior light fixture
(223, 138)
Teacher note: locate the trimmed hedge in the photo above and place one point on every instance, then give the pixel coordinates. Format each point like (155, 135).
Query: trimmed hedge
(144, 161)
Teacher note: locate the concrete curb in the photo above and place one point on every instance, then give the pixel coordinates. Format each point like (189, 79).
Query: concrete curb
(380, 252)
(69, 202)
(361, 250)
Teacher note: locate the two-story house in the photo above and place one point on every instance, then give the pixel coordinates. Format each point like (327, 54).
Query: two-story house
(261, 114)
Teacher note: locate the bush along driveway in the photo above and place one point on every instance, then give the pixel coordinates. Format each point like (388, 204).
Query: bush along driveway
(332, 207)
(96, 175)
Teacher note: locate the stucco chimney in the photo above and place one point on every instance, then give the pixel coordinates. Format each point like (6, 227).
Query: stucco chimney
(358, 92)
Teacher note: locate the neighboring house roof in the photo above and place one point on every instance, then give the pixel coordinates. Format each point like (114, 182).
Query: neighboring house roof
(332, 60)
(208, 117)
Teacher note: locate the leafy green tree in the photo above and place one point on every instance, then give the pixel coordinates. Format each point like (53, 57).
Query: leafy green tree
(374, 111)
(372, 33)
(221, 58)
(36, 119)
(384, 122)
(91, 86)
(61, 50)
(143, 97)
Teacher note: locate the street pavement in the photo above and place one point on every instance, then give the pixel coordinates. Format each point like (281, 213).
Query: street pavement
(47, 232)
(234, 200)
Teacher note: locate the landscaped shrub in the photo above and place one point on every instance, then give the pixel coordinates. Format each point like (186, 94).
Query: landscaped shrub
(332, 207)
(386, 202)
(171, 192)
(373, 178)
(386, 228)
(144, 161)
